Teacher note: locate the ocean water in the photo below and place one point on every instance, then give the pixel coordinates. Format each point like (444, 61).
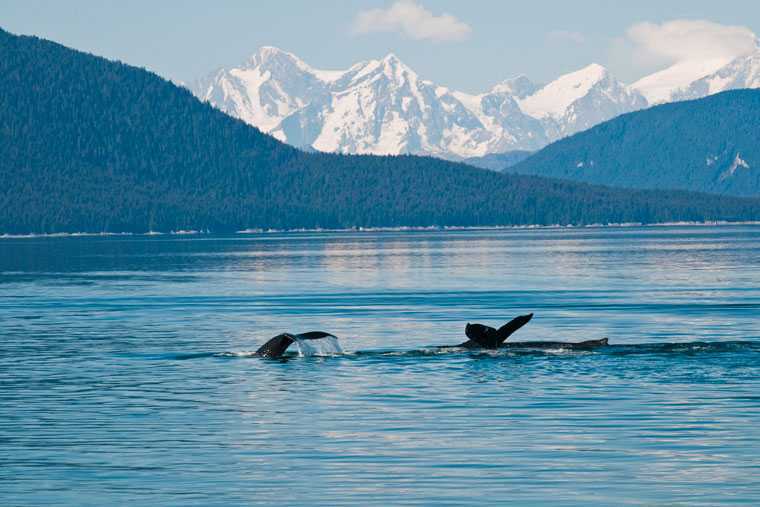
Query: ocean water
(127, 374)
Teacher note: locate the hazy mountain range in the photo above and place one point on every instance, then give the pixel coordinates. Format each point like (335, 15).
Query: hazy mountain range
(384, 107)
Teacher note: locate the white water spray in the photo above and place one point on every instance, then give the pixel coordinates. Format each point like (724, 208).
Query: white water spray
(327, 346)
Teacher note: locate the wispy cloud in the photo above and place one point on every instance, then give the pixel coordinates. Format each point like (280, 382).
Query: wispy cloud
(413, 20)
(565, 37)
(686, 40)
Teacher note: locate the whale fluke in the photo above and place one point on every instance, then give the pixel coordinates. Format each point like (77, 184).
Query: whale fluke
(486, 337)
(277, 346)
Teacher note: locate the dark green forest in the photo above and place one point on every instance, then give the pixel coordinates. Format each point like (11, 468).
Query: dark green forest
(88, 144)
(498, 161)
(706, 145)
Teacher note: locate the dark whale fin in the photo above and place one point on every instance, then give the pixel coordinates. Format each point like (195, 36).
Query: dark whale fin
(480, 333)
(277, 346)
(513, 325)
(314, 335)
(490, 338)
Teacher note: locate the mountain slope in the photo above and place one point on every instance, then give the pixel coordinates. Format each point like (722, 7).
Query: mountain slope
(707, 145)
(375, 107)
(266, 89)
(498, 161)
(668, 84)
(581, 99)
(383, 107)
(743, 72)
(695, 79)
(93, 145)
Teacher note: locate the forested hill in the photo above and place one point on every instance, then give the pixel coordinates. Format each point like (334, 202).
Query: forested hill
(706, 145)
(498, 161)
(87, 144)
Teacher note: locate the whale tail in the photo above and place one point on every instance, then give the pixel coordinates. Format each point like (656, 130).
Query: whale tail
(510, 327)
(489, 338)
(277, 346)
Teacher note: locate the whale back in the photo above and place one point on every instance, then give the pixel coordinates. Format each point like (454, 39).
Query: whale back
(584, 345)
(484, 336)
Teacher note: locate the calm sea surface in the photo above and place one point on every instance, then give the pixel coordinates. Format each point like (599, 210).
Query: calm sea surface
(126, 374)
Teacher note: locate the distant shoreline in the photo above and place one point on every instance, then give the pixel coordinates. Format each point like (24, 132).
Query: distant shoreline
(431, 228)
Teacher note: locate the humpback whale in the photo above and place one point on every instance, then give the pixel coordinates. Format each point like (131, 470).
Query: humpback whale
(485, 337)
(479, 336)
(277, 346)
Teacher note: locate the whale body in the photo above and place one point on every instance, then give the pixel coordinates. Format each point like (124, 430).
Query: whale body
(584, 345)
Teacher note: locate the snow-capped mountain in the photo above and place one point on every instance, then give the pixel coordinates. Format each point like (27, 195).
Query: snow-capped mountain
(377, 106)
(268, 87)
(579, 100)
(743, 72)
(699, 78)
(384, 107)
(663, 86)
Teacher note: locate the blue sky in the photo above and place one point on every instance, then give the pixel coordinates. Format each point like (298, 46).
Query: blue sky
(468, 45)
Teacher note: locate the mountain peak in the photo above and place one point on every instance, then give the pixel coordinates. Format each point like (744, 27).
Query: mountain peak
(270, 56)
(391, 58)
(596, 66)
(270, 49)
(742, 72)
(554, 99)
(519, 86)
(269, 53)
(663, 85)
(390, 66)
(592, 71)
(392, 63)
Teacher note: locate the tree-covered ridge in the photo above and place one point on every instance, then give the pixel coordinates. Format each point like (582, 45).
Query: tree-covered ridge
(706, 145)
(87, 144)
(498, 161)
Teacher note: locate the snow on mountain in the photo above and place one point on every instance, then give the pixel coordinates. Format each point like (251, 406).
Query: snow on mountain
(519, 87)
(384, 107)
(742, 72)
(377, 107)
(581, 99)
(553, 99)
(265, 89)
(665, 85)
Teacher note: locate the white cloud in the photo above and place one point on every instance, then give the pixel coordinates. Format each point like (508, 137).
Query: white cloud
(566, 36)
(687, 40)
(413, 20)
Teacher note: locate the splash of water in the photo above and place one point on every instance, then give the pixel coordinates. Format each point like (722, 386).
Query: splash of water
(328, 346)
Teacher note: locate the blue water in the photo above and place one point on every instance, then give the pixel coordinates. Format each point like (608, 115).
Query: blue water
(126, 374)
